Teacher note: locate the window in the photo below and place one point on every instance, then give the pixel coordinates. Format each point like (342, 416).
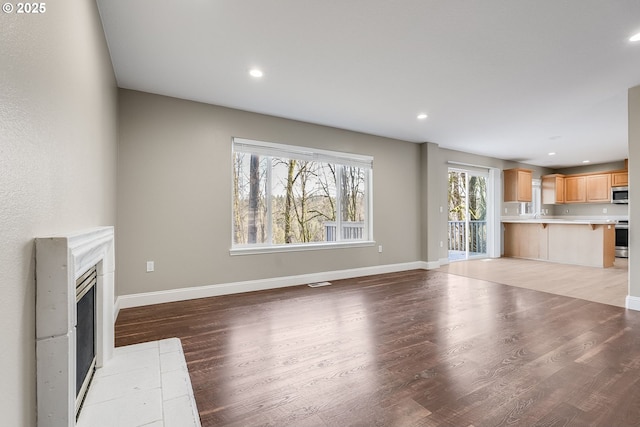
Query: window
(533, 207)
(292, 197)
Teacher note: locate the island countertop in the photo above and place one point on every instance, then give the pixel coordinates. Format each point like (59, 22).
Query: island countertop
(556, 220)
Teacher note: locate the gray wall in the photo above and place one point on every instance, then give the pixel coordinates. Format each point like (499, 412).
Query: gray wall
(57, 165)
(634, 183)
(174, 195)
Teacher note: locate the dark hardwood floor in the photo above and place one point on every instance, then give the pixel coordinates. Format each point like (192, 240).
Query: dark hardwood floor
(418, 348)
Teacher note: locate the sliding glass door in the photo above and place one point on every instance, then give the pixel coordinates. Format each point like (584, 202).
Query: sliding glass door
(467, 225)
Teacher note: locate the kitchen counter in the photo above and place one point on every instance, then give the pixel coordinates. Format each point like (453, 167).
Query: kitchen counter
(562, 240)
(554, 220)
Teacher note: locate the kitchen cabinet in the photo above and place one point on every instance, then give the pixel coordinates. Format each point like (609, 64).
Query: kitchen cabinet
(575, 189)
(589, 243)
(553, 189)
(594, 188)
(620, 179)
(598, 188)
(517, 185)
(525, 241)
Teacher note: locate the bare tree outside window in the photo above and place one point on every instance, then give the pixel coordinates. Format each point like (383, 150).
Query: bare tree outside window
(281, 200)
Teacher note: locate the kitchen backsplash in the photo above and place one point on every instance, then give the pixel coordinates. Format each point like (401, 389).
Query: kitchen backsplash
(587, 209)
(575, 209)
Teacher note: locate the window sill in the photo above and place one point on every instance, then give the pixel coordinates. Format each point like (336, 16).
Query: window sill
(299, 247)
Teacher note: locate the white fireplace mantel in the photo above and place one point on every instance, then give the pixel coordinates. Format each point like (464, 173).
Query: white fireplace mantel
(60, 260)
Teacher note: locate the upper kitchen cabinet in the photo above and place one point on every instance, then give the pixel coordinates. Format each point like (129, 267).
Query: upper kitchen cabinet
(553, 189)
(592, 188)
(620, 179)
(517, 185)
(575, 190)
(599, 188)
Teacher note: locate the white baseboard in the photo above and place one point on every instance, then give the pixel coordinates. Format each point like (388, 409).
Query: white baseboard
(633, 303)
(159, 297)
(430, 265)
(116, 309)
(443, 261)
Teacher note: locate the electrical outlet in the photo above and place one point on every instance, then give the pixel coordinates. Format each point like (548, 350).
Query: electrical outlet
(441, 244)
(604, 210)
(150, 266)
(506, 210)
(380, 249)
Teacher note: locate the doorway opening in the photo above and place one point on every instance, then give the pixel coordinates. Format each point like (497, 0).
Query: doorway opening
(467, 223)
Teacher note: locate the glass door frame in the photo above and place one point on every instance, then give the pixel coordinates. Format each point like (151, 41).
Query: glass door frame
(489, 215)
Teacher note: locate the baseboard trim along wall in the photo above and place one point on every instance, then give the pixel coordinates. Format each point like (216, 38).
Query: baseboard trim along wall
(633, 303)
(159, 297)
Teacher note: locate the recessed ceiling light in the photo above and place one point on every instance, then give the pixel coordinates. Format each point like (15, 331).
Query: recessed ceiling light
(635, 38)
(254, 72)
(422, 116)
(552, 154)
(586, 161)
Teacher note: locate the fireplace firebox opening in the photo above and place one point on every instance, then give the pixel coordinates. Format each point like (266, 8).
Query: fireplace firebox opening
(85, 333)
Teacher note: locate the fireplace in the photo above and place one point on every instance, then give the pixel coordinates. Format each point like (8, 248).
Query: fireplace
(74, 318)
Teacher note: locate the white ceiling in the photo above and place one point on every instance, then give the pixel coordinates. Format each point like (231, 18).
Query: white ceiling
(503, 78)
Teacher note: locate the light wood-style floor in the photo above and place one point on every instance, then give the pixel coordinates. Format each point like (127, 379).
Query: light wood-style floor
(604, 285)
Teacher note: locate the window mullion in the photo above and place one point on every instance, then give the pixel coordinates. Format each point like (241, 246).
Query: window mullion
(339, 171)
(368, 220)
(268, 201)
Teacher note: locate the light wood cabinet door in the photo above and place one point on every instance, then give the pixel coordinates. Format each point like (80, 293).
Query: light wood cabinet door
(525, 241)
(575, 190)
(553, 189)
(599, 188)
(517, 185)
(619, 179)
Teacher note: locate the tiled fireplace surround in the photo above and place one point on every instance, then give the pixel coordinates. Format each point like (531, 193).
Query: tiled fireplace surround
(60, 260)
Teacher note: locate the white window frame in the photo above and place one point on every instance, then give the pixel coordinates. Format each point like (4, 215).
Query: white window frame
(270, 149)
(535, 205)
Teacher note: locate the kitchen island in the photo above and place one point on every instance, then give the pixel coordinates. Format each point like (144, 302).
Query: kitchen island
(588, 242)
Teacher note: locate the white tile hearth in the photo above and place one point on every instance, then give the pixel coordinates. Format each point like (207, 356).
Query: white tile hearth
(142, 385)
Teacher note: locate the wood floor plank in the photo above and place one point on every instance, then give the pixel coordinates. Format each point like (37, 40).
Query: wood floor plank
(416, 348)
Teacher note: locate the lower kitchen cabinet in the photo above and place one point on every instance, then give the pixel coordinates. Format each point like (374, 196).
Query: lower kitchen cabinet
(523, 240)
(579, 243)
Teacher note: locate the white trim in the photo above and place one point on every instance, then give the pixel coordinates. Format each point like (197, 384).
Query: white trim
(494, 198)
(442, 261)
(430, 265)
(159, 297)
(633, 303)
(301, 153)
(257, 249)
(116, 310)
(453, 162)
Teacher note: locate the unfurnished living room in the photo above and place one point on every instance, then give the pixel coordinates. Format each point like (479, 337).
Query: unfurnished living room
(298, 213)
